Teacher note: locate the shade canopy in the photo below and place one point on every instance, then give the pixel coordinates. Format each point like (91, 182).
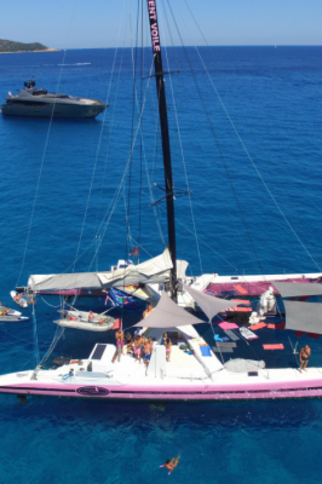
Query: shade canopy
(151, 271)
(303, 316)
(168, 314)
(210, 305)
(296, 289)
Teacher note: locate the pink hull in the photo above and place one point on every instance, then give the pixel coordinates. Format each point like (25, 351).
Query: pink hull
(300, 389)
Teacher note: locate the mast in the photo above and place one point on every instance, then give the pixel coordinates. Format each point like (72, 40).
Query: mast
(158, 70)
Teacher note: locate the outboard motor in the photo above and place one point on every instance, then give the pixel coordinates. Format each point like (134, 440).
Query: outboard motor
(29, 84)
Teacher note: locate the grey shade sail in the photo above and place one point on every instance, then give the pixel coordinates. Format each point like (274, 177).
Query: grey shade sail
(168, 314)
(294, 289)
(210, 305)
(153, 270)
(303, 316)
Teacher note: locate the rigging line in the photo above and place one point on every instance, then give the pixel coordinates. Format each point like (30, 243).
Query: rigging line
(223, 201)
(134, 95)
(216, 141)
(247, 122)
(117, 193)
(94, 168)
(205, 243)
(113, 110)
(141, 130)
(45, 149)
(183, 157)
(254, 164)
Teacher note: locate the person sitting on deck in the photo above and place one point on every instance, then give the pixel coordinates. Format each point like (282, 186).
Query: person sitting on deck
(304, 357)
(5, 312)
(91, 316)
(171, 464)
(146, 352)
(148, 310)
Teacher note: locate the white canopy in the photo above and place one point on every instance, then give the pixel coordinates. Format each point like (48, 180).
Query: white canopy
(210, 305)
(303, 316)
(294, 289)
(168, 314)
(153, 270)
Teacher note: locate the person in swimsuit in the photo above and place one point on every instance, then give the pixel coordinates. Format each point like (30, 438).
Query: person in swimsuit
(6, 310)
(164, 337)
(171, 464)
(148, 310)
(137, 348)
(119, 336)
(129, 344)
(22, 298)
(146, 352)
(304, 357)
(168, 344)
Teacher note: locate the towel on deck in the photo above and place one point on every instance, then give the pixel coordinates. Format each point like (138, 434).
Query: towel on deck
(240, 289)
(273, 347)
(205, 350)
(226, 325)
(260, 325)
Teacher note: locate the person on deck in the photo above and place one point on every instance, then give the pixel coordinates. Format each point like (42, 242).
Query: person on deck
(129, 344)
(304, 357)
(5, 312)
(119, 336)
(164, 337)
(137, 348)
(148, 310)
(91, 316)
(23, 298)
(168, 344)
(146, 352)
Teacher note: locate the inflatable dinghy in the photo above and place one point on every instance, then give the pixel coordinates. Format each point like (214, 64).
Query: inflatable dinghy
(13, 319)
(80, 320)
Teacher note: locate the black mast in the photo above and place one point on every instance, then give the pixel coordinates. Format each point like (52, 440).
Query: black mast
(156, 48)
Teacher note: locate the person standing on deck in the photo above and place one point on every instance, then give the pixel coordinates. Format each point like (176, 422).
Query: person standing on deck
(305, 354)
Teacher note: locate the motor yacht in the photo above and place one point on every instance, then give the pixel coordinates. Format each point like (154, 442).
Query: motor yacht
(40, 103)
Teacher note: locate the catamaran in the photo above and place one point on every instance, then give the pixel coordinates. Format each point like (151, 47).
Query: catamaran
(195, 369)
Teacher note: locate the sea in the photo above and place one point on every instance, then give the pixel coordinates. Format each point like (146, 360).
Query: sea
(78, 195)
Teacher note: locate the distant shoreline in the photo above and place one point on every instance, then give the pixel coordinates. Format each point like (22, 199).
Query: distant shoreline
(29, 51)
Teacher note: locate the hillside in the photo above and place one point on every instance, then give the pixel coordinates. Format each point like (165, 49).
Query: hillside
(10, 46)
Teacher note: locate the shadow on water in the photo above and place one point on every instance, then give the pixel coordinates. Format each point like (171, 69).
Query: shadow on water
(227, 415)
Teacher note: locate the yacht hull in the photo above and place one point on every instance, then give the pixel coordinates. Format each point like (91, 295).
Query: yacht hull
(57, 110)
(304, 388)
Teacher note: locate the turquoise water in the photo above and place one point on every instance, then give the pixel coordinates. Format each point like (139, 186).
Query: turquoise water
(75, 167)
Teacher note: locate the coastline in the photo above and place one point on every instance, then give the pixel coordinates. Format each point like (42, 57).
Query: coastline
(29, 51)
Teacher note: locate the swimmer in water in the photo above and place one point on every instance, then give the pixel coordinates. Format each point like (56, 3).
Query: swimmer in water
(171, 464)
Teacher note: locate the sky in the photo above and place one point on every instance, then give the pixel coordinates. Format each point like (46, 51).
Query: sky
(106, 23)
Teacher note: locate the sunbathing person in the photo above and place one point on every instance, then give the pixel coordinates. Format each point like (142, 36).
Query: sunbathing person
(21, 299)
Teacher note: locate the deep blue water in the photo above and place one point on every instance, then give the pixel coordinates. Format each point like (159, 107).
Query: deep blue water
(51, 178)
